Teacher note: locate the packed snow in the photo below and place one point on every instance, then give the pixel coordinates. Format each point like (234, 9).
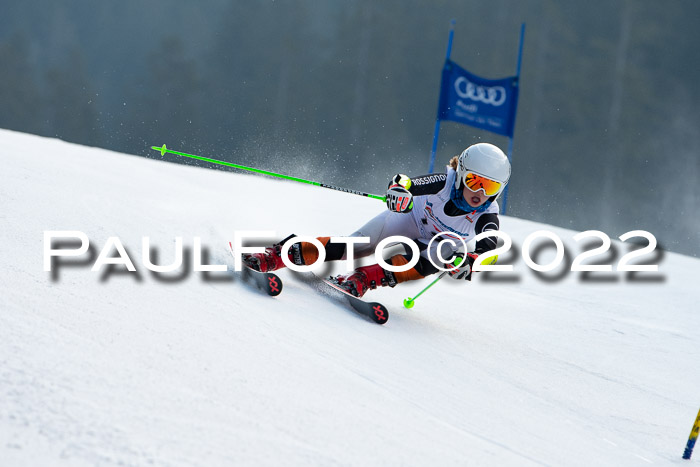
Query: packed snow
(200, 368)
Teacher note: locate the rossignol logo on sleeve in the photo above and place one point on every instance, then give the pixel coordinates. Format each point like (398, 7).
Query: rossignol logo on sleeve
(429, 179)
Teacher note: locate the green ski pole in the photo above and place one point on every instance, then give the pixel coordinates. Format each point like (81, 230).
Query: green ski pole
(409, 302)
(163, 150)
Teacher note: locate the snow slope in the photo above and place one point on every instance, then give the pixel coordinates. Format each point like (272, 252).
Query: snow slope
(109, 367)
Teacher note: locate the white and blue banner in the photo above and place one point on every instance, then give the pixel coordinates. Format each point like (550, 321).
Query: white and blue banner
(489, 104)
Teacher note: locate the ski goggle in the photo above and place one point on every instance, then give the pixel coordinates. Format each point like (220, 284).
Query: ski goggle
(477, 182)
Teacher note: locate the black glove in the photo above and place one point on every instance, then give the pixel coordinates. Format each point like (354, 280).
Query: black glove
(398, 198)
(461, 267)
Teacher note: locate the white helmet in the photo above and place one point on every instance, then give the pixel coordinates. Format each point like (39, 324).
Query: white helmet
(486, 160)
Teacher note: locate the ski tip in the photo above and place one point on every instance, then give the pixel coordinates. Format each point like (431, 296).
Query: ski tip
(380, 314)
(274, 285)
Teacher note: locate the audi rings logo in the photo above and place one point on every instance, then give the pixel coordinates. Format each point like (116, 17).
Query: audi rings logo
(494, 95)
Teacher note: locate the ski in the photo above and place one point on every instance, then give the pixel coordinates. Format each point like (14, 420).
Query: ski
(268, 282)
(372, 310)
(272, 285)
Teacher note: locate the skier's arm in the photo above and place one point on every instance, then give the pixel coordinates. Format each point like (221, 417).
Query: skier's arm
(484, 223)
(402, 189)
(463, 268)
(424, 184)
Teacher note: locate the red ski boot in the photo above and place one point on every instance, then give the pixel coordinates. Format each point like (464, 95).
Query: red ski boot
(267, 261)
(366, 278)
(301, 253)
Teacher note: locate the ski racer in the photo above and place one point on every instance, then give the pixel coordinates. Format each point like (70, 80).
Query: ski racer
(459, 204)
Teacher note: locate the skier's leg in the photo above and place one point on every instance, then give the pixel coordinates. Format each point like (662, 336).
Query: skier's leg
(386, 224)
(424, 266)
